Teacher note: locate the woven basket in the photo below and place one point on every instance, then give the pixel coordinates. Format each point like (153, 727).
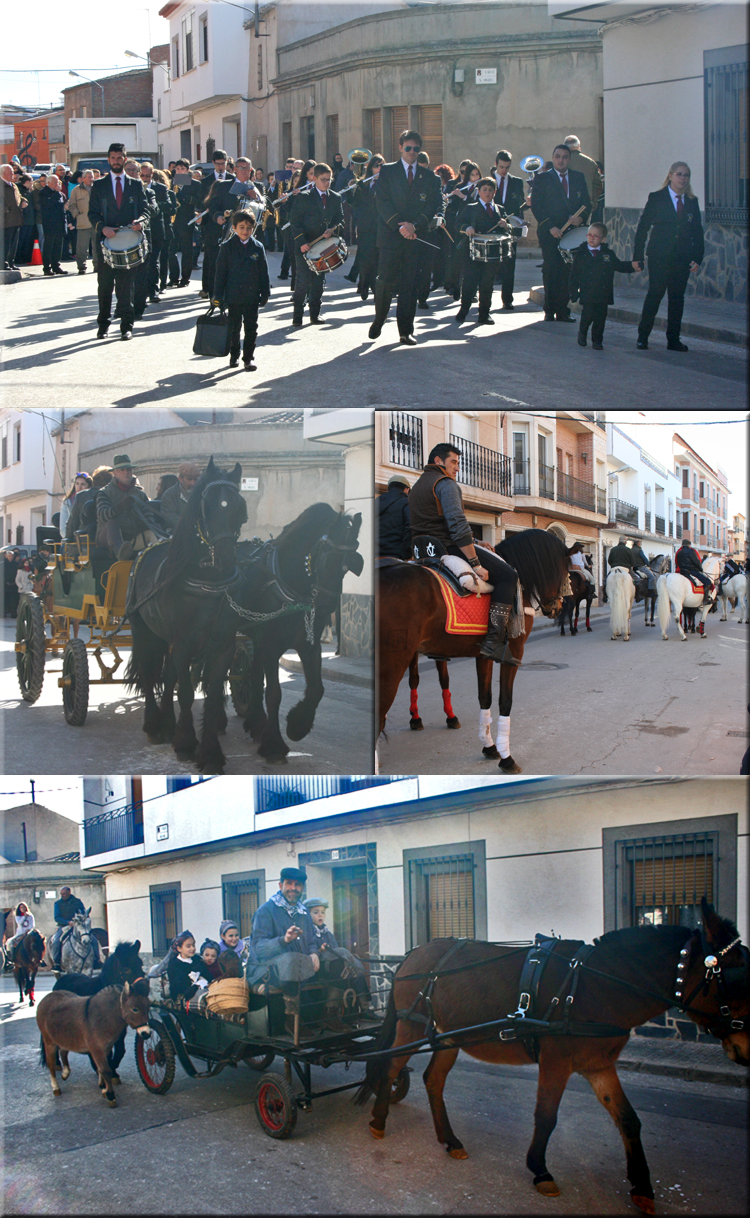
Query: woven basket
(228, 996)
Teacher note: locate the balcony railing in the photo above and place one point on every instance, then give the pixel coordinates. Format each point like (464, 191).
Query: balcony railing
(660, 525)
(601, 501)
(275, 793)
(619, 510)
(405, 437)
(573, 490)
(677, 530)
(647, 521)
(113, 830)
(671, 528)
(482, 467)
(546, 481)
(521, 477)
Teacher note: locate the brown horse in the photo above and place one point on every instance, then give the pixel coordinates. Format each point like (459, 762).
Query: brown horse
(582, 591)
(74, 1024)
(27, 957)
(415, 721)
(411, 618)
(627, 977)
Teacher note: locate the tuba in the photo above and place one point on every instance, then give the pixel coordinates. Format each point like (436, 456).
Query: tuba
(358, 158)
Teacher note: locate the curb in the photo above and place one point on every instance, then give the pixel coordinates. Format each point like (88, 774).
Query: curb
(693, 1074)
(331, 674)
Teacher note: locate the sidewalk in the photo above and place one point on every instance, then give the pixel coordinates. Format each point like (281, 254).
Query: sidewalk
(347, 669)
(701, 1062)
(716, 320)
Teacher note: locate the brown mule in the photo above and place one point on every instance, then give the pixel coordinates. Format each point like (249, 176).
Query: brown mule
(628, 977)
(74, 1024)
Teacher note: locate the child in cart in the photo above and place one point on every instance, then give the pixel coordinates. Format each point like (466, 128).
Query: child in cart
(186, 971)
(337, 961)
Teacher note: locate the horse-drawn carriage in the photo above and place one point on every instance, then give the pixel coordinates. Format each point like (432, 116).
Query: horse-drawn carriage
(86, 591)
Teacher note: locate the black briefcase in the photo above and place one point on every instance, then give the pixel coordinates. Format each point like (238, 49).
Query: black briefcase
(212, 334)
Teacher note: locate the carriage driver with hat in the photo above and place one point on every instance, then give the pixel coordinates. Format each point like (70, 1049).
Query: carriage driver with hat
(436, 509)
(126, 520)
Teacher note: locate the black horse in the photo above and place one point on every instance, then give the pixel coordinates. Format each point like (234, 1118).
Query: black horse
(179, 614)
(303, 570)
(123, 964)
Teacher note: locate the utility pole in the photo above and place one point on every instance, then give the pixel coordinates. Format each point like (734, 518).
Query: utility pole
(33, 800)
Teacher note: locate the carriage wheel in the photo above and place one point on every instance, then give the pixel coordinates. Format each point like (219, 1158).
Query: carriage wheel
(275, 1106)
(155, 1059)
(76, 677)
(400, 1086)
(30, 633)
(261, 1062)
(239, 676)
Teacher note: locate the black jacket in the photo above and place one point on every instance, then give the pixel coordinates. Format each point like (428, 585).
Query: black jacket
(52, 211)
(178, 974)
(241, 273)
(687, 559)
(103, 210)
(167, 204)
(310, 219)
(592, 275)
(398, 202)
(188, 199)
(394, 527)
(515, 193)
(668, 238)
(550, 205)
(475, 215)
(362, 200)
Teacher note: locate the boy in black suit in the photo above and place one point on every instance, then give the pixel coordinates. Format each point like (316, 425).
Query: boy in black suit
(591, 277)
(484, 216)
(242, 285)
(510, 195)
(116, 201)
(315, 213)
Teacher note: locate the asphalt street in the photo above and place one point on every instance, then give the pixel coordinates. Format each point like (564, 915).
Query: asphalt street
(49, 338)
(199, 1148)
(588, 704)
(111, 738)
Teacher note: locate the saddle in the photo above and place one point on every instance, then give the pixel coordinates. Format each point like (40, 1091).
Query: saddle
(431, 553)
(695, 581)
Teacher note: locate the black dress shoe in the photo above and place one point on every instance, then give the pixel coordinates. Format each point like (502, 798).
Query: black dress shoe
(461, 315)
(59, 271)
(154, 299)
(642, 344)
(102, 333)
(423, 304)
(350, 278)
(678, 346)
(598, 346)
(408, 340)
(549, 317)
(296, 323)
(317, 321)
(564, 317)
(508, 307)
(126, 334)
(375, 330)
(581, 341)
(282, 276)
(234, 363)
(82, 270)
(486, 321)
(363, 293)
(249, 366)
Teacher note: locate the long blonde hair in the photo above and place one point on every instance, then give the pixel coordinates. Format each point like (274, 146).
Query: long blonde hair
(676, 165)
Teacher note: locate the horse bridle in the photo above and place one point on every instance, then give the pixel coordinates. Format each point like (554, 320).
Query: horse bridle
(70, 936)
(231, 533)
(728, 982)
(323, 544)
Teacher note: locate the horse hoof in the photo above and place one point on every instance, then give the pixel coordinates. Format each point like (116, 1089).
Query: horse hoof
(644, 1203)
(377, 1133)
(457, 1152)
(65, 1074)
(453, 723)
(56, 1091)
(589, 629)
(490, 753)
(112, 1102)
(508, 766)
(548, 1188)
(116, 1079)
(416, 725)
(31, 1002)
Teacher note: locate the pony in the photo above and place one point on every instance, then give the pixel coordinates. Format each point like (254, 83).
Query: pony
(734, 589)
(302, 572)
(179, 618)
(621, 595)
(70, 1023)
(411, 618)
(582, 591)
(77, 948)
(27, 956)
(123, 964)
(676, 591)
(453, 994)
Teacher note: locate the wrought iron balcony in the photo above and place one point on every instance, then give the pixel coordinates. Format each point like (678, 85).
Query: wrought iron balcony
(601, 501)
(573, 490)
(113, 830)
(660, 525)
(275, 793)
(647, 521)
(546, 481)
(405, 439)
(521, 477)
(627, 513)
(678, 530)
(483, 467)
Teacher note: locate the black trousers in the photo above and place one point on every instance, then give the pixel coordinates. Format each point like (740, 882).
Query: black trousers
(210, 258)
(670, 277)
(185, 246)
(156, 242)
(288, 260)
(239, 315)
(594, 315)
(307, 284)
(173, 264)
(142, 275)
(399, 268)
(52, 252)
(123, 282)
(555, 276)
(502, 576)
(506, 274)
(479, 275)
(9, 237)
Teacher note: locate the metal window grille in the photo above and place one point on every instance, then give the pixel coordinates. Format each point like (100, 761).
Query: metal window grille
(405, 439)
(725, 93)
(660, 524)
(113, 830)
(546, 481)
(275, 793)
(240, 901)
(481, 467)
(442, 897)
(662, 879)
(647, 521)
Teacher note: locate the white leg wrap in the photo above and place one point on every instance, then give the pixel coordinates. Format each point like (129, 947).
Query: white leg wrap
(485, 728)
(503, 735)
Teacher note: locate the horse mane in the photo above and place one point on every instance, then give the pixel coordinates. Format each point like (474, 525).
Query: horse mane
(314, 519)
(638, 936)
(540, 559)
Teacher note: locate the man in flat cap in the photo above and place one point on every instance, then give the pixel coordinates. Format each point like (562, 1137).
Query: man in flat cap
(283, 940)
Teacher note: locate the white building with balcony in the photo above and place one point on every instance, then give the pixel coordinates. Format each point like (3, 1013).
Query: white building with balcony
(27, 467)
(703, 499)
(642, 498)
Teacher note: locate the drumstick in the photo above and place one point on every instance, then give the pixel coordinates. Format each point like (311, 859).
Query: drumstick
(570, 220)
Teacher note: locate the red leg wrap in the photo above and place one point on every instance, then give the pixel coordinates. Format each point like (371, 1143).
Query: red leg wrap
(447, 706)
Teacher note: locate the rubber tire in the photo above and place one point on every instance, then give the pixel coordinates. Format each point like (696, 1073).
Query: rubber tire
(30, 629)
(76, 695)
(274, 1090)
(158, 1042)
(239, 683)
(400, 1086)
(261, 1061)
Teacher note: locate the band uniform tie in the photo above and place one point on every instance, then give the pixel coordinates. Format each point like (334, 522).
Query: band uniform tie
(410, 175)
(680, 206)
(565, 184)
(118, 193)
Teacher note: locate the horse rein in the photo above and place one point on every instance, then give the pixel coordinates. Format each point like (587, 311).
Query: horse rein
(228, 533)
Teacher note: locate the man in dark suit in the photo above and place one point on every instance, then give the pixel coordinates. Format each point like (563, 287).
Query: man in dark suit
(555, 198)
(117, 201)
(407, 196)
(160, 225)
(315, 213)
(510, 195)
(188, 199)
(222, 201)
(211, 231)
(675, 248)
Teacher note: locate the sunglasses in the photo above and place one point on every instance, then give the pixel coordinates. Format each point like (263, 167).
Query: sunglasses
(412, 147)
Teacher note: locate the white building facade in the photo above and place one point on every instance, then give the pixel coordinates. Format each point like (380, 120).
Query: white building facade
(27, 467)
(642, 498)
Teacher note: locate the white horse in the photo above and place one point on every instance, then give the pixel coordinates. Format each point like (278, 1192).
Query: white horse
(734, 589)
(78, 951)
(621, 594)
(676, 591)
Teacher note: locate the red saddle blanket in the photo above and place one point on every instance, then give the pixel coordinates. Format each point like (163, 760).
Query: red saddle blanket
(695, 581)
(463, 614)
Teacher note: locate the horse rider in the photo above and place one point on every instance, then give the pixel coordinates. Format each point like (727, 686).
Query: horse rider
(436, 508)
(577, 561)
(687, 562)
(24, 920)
(283, 942)
(64, 913)
(394, 527)
(731, 568)
(641, 568)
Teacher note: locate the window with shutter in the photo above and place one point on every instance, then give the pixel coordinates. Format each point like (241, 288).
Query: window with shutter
(399, 123)
(377, 131)
(431, 130)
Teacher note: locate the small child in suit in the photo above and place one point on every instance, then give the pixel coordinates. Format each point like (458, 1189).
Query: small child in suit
(591, 277)
(242, 284)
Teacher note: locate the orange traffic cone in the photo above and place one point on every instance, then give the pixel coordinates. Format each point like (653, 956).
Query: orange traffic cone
(36, 254)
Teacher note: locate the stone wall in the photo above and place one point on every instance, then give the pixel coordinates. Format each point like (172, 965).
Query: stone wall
(356, 625)
(723, 273)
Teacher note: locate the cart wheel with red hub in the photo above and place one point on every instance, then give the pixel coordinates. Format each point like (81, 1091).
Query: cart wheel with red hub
(155, 1059)
(275, 1106)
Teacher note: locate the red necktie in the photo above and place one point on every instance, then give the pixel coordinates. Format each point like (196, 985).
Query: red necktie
(323, 197)
(118, 193)
(680, 206)
(410, 175)
(565, 183)
(488, 208)
(596, 251)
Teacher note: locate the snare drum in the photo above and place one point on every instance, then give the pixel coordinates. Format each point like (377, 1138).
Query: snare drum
(517, 227)
(126, 250)
(488, 247)
(326, 254)
(570, 240)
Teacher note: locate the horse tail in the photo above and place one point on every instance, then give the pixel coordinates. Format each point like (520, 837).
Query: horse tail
(378, 1067)
(43, 1055)
(148, 659)
(662, 602)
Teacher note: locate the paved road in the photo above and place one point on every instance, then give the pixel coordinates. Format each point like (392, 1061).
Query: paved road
(111, 738)
(591, 705)
(50, 334)
(199, 1148)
